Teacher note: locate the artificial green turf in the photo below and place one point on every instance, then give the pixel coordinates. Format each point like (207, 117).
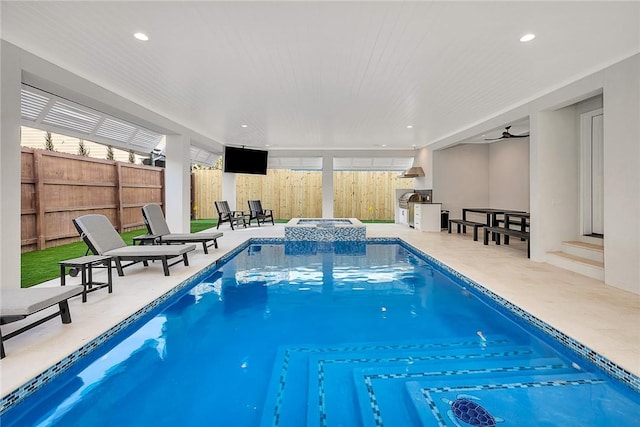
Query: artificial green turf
(202, 224)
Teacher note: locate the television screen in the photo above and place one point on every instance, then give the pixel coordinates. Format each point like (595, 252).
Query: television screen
(244, 160)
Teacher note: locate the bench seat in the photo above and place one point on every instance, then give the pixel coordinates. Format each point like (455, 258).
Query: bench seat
(497, 231)
(465, 224)
(513, 221)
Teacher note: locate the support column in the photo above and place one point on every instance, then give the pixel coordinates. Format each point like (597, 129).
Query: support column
(10, 85)
(229, 191)
(327, 186)
(177, 183)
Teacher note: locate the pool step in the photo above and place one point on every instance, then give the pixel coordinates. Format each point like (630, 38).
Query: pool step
(381, 391)
(291, 401)
(525, 401)
(383, 397)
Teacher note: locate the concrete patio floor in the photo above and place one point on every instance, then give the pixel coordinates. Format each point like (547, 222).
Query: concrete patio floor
(601, 317)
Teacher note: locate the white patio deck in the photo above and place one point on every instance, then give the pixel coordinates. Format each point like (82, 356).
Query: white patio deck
(602, 317)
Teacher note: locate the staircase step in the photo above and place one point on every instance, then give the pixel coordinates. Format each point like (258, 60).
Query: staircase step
(592, 240)
(584, 250)
(580, 265)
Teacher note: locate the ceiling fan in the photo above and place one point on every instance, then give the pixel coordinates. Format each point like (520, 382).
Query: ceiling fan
(506, 135)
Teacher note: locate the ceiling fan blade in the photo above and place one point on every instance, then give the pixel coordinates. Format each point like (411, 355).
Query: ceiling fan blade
(494, 139)
(520, 136)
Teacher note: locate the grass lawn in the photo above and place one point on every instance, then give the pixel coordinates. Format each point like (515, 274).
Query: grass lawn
(40, 266)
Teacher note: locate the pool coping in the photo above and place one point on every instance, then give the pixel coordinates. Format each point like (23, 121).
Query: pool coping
(615, 371)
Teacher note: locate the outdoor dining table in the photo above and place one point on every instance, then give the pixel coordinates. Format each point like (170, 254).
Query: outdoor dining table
(492, 214)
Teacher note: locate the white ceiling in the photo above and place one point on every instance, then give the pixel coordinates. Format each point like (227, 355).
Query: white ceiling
(327, 75)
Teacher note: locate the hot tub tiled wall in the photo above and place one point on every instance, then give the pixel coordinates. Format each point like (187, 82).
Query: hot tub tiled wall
(334, 233)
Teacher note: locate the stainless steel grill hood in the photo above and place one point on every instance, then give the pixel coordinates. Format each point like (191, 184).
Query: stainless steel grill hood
(412, 172)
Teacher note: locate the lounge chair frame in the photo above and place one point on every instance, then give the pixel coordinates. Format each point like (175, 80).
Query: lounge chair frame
(149, 254)
(225, 214)
(157, 226)
(258, 213)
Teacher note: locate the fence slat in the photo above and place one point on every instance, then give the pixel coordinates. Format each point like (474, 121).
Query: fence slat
(57, 187)
(368, 195)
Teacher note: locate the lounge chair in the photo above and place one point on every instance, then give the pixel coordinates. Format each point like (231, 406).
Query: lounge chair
(225, 214)
(17, 304)
(157, 226)
(260, 215)
(100, 236)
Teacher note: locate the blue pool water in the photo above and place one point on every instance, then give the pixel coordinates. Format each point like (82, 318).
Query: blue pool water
(316, 221)
(329, 334)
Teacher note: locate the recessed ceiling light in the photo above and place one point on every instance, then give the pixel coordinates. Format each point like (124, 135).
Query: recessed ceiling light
(266, 145)
(527, 37)
(244, 126)
(409, 127)
(141, 36)
(383, 145)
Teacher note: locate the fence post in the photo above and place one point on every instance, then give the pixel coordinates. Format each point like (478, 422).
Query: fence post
(119, 207)
(163, 192)
(38, 190)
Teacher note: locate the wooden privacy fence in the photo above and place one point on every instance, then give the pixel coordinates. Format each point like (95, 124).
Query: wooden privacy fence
(58, 187)
(367, 195)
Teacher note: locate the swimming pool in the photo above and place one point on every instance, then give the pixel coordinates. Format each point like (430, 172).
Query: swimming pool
(316, 333)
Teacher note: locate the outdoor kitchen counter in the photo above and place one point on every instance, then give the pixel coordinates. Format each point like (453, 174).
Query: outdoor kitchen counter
(427, 216)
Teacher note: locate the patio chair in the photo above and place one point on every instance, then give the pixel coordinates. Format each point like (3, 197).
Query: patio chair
(260, 215)
(225, 214)
(100, 236)
(17, 304)
(157, 226)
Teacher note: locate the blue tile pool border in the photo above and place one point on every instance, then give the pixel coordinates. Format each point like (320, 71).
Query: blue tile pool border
(610, 368)
(518, 314)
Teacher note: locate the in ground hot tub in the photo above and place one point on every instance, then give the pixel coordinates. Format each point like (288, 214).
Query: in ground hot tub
(325, 229)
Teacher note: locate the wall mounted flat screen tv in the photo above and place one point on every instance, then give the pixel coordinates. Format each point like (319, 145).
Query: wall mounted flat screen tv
(244, 160)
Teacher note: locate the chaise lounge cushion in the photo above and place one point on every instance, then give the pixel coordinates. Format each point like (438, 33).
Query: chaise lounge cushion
(17, 304)
(23, 302)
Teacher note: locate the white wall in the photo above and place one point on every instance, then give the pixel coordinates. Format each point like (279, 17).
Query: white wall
(509, 174)
(461, 177)
(492, 175)
(622, 174)
(424, 159)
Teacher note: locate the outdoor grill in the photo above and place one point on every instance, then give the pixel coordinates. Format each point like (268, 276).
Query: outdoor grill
(407, 202)
(409, 197)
